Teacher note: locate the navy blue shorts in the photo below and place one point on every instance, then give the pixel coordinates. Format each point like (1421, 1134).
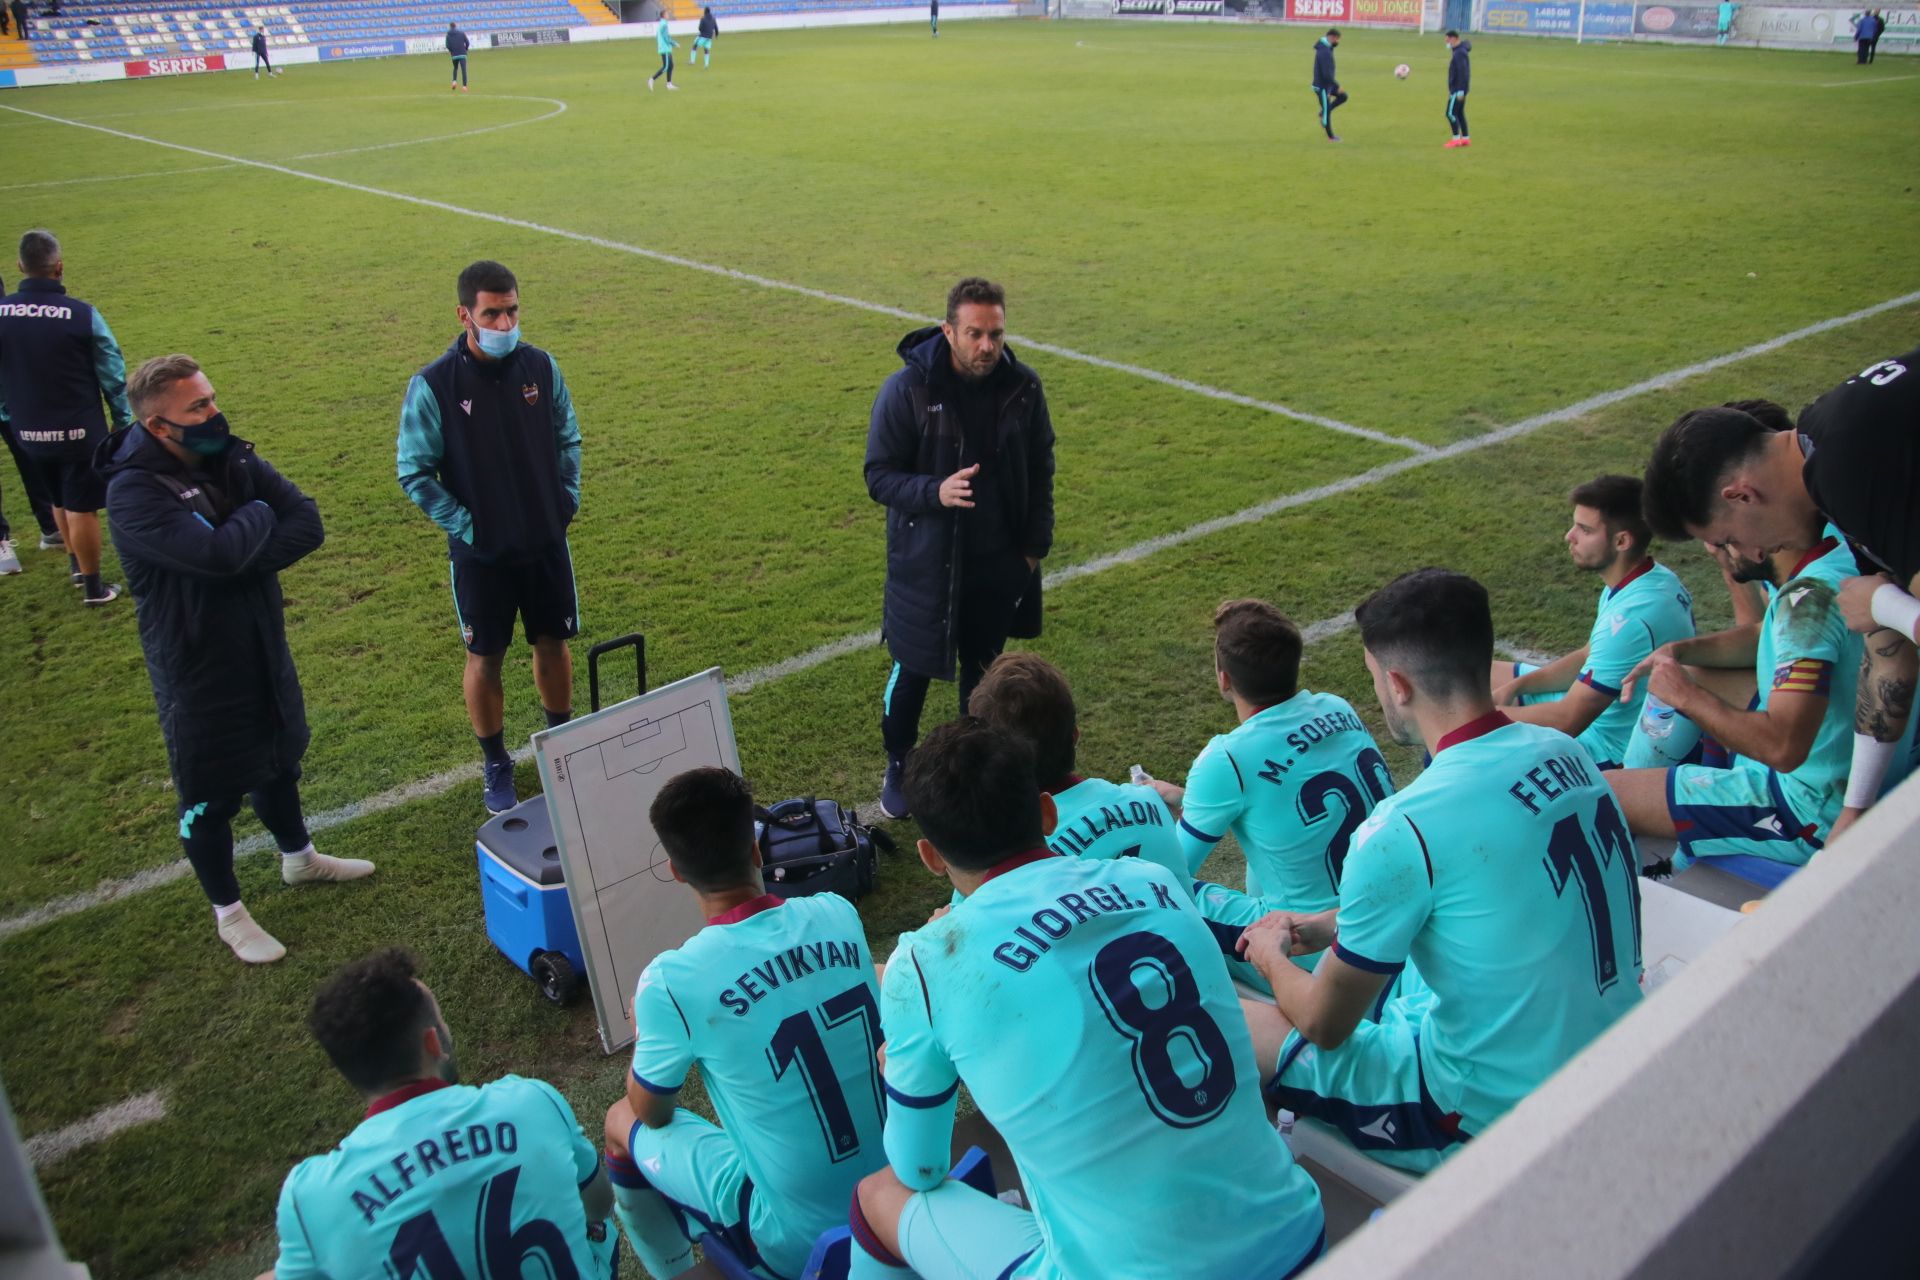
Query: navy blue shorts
(70, 483)
(538, 591)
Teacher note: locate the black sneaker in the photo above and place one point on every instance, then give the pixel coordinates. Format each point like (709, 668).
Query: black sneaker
(499, 791)
(893, 792)
(108, 594)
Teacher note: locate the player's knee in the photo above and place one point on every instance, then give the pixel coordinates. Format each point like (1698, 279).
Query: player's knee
(882, 1198)
(619, 1125)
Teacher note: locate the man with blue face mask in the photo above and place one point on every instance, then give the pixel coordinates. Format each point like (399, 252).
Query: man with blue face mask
(490, 450)
(204, 527)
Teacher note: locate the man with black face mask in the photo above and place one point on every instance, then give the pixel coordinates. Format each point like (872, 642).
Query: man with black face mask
(203, 527)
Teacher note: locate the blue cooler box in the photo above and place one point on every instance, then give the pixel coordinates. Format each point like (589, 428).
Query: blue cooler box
(524, 892)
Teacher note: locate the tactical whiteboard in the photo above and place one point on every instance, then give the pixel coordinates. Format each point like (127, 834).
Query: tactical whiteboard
(600, 773)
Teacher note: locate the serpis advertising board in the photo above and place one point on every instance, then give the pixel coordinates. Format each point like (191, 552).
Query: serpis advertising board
(1319, 11)
(1677, 21)
(178, 66)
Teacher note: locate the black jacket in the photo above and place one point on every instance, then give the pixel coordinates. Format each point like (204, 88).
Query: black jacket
(1323, 77)
(709, 25)
(912, 445)
(260, 43)
(457, 42)
(1459, 73)
(202, 551)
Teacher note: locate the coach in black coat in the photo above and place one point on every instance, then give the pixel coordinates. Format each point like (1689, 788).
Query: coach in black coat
(203, 526)
(960, 452)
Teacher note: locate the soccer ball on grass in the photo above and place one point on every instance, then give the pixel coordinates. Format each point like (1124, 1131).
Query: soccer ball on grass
(1402, 71)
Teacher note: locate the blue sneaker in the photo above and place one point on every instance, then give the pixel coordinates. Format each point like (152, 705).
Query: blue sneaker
(499, 787)
(893, 792)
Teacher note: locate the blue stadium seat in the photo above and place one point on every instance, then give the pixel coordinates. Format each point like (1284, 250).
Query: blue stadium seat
(1764, 872)
(833, 1251)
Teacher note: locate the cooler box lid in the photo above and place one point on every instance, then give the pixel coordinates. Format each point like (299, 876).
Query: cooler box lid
(522, 838)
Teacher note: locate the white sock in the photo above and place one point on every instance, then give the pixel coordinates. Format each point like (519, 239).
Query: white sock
(301, 855)
(223, 914)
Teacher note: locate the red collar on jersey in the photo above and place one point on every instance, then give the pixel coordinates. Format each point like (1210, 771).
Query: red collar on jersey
(406, 1093)
(1820, 549)
(1645, 566)
(765, 902)
(1486, 724)
(1016, 862)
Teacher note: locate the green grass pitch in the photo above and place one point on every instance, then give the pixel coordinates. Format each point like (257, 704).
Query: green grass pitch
(1156, 196)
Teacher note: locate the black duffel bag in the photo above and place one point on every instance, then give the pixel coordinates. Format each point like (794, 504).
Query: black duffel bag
(809, 845)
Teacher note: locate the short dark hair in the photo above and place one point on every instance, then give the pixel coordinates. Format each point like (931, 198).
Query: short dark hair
(1436, 627)
(1259, 648)
(1691, 460)
(368, 1017)
(974, 289)
(704, 817)
(1452, 34)
(1333, 31)
(1028, 695)
(485, 276)
(1768, 413)
(971, 786)
(1617, 499)
(38, 251)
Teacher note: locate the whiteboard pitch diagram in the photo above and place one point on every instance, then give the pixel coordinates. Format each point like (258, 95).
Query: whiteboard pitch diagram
(601, 773)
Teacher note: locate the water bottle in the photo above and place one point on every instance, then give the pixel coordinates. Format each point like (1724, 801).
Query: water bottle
(1139, 776)
(1656, 719)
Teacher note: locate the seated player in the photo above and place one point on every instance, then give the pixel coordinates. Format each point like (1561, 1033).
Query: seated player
(777, 1005)
(1642, 606)
(1791, 745)
(1086, 1009)
(1028, 696)
(440, 1178)
(1505, 871)
(1291, 782)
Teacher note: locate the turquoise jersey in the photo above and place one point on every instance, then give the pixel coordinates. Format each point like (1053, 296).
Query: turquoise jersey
(448, 1180)
(1805, 647)
(1089, 1013)
(1507, 874)
(1649, 608)
(777, 1003)
(662, 42)
(1291, 782)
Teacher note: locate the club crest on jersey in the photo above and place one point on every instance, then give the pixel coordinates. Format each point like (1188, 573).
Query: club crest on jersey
(1616, 622)
(531, 392)
(466, 406)
(466, 633)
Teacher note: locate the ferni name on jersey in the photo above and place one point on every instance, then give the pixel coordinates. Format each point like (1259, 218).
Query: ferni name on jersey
(788, 966)
(1567, 772)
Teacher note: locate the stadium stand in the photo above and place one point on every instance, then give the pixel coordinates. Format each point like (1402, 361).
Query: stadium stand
(109, 30)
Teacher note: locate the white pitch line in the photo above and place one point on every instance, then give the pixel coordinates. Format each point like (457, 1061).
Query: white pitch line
(746, 277)
(559, 108)
(45, 1148)
(115, 177)
(440, 783)
(1856, 84)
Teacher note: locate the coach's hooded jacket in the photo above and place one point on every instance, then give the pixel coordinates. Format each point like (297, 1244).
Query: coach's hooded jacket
(1459, 71)
(202, 548)
(912, 445)
(1323, 77)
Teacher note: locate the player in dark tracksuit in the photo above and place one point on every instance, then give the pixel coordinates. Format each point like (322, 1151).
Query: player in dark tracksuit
(1459, 73)
(260, 58)
(457, 46)
(1326, 86)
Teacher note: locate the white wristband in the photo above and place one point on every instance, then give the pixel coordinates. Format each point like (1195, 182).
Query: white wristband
(1894, 608)
(1871, 759)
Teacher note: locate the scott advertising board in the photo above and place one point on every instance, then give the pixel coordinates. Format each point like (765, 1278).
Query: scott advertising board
(1677, 21)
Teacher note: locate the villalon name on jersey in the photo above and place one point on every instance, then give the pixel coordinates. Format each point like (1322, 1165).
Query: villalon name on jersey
(424, 1159)
(788, 966)
(1053, 922)
(1078, 836)
(1562, 774)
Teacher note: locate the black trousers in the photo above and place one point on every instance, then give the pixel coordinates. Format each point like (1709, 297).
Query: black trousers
(1328, 101)
(1873, 48)
(1865, 47)
(30, 481)
(460, 68)
(989, 594)
(1457, 113)
(206, 832)
(666, 68)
